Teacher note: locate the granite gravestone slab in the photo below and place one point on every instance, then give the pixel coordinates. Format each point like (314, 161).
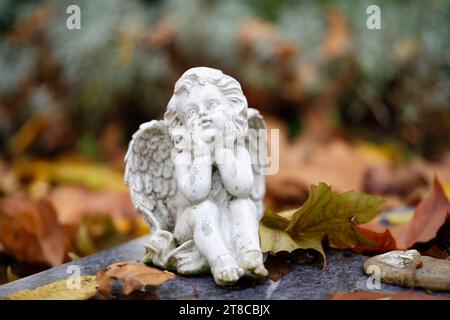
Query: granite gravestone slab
(343, 273)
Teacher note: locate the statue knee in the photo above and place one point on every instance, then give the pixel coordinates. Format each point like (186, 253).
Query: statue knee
(205, 208)
(243, 205)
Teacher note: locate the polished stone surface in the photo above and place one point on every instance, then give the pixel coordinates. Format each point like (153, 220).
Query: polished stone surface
(343, 273)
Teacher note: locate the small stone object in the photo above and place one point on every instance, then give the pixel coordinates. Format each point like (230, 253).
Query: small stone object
(197, 176)
(410, 269)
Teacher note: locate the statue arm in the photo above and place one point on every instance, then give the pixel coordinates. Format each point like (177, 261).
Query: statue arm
(193, 176)
(235, 170)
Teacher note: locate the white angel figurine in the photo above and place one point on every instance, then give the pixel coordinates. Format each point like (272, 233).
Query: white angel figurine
(192, 177)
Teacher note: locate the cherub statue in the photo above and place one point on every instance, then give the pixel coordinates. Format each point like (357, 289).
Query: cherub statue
(194, 178)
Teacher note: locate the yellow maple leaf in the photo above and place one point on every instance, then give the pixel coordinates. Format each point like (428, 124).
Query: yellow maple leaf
(324, 213)
(59, 290)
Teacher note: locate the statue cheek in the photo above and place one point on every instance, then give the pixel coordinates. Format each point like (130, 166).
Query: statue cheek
(221, 122)
(190, 124)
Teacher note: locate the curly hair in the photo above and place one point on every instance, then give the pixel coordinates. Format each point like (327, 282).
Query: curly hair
(230, 88)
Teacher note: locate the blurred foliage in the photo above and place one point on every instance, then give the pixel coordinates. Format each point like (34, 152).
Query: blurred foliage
(290, 56)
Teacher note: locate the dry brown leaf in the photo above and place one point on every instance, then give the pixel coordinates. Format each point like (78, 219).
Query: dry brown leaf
(429, 216)
(363, 295)
(315, 157)
(359, 166)
(440, 169)
(134, 275)
(30, 231)
(436, 252)
(97, 219)
(284, 190)
(277, 267)
(390, 180)
(384, 240)
(428, 226)
(73, 203)
(43, 231)
(340, 164)
(439, 247)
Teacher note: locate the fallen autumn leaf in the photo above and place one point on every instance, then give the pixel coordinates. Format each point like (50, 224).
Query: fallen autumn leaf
(59, 290)
(135, 276)
(30, 231)
(429, 217)
(324, 213)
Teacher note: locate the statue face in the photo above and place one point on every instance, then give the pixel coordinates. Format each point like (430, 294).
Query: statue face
(203, 111)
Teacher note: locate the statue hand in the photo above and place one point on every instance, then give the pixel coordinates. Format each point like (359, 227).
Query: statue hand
(224, 141)
(201, 146)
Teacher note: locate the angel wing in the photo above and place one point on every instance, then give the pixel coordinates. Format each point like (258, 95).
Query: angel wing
(149, 175)
(257, 145)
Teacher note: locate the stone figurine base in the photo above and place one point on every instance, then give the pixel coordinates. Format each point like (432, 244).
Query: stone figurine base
(343, 274)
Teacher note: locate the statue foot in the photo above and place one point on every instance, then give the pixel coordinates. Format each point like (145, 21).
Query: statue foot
(188, 259)
(252, 262)
(226, 271)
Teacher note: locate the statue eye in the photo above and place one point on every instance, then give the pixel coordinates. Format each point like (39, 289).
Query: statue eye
(213, 103)
(191, 113)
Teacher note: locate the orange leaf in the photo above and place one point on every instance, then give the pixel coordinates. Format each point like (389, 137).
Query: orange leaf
(30, 231)
(73, 203)
(384, 240)
(429, 216)
(439, 247)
